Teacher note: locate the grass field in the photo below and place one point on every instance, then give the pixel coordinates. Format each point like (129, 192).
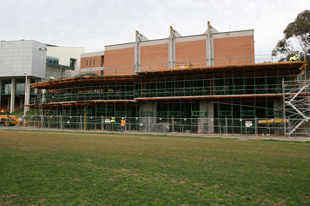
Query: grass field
(45, 168)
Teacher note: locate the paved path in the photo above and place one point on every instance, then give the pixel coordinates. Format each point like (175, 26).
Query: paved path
(234, 136)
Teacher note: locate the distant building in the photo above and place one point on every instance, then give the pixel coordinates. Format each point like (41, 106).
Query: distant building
(92, 63)
(212, 48)
(37, 61)
(63, 62)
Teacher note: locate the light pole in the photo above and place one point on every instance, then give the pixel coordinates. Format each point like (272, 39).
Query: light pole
(25, 101)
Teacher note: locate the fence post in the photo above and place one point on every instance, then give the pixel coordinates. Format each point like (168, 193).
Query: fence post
(172, 124)
(60, 121)
(226, 126)
(101, 122)
(80, 122)
(148, 124)
(125, 130)
(42, 121)
(289, 126)
(95, 123)
(105, 125)
(256, 129)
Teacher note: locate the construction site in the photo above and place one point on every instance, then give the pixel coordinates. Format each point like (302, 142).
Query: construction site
(200, 84)
(257, 99)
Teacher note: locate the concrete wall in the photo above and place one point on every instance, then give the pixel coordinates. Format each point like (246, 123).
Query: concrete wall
(64, 54)
(17, 57)
(56, 72)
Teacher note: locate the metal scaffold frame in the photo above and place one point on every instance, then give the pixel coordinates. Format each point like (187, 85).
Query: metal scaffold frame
(296, 98)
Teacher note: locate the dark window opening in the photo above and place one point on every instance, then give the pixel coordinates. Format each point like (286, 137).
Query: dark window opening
(72, 63)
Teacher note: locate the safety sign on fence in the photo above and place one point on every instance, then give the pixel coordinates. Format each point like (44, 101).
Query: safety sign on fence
(248, 123)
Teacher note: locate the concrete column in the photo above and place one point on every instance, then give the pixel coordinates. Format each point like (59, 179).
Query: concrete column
(137, 52)
(27, 96)
(12, 106)
(206, 124)
(171, 49)
(210, 121)
(209, 47)
(148, 107)
(202, 119)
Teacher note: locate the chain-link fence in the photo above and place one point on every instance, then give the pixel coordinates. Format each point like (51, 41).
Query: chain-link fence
(250, 127)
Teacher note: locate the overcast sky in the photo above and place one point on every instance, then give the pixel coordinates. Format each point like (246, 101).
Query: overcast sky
(93, 23)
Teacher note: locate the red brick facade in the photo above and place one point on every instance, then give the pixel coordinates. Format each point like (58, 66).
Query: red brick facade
(119, 62)
(234, 50)
(99, 73)
(154, 58)
(91, 62)
(191, 52)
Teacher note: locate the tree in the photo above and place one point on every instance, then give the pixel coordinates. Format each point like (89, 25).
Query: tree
(298, 30)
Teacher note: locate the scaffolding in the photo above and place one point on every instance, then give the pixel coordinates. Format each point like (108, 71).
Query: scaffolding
(297, 107)
(236, 93)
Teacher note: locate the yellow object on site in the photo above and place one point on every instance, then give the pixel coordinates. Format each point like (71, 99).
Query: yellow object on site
(273, 121)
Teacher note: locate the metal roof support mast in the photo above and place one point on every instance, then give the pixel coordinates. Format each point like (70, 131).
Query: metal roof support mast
(209, 46)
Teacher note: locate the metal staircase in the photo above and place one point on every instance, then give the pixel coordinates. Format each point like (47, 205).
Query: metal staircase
(296, 107)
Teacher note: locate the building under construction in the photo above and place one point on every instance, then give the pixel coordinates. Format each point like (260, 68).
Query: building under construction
(206, 83)
(207, 96)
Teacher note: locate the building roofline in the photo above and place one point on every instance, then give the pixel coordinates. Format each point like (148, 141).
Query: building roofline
(92, 54)
(132, 78)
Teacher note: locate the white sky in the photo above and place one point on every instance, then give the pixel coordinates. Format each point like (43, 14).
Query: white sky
(93, 23)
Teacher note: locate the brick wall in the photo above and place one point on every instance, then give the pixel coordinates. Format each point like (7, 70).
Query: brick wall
(119, 62)
(99, 73)
(91, 62)
(154, 57)
(234, 50)
(191, 52)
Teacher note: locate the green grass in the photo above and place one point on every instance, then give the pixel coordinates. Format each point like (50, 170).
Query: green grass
(20, 112)
(44, 168)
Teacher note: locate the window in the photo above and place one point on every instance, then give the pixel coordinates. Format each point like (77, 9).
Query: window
(52, 60)
(7, 89)
(72, 62)
(90, 62)
(94, 62)
(86, 62)
(20, 88)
